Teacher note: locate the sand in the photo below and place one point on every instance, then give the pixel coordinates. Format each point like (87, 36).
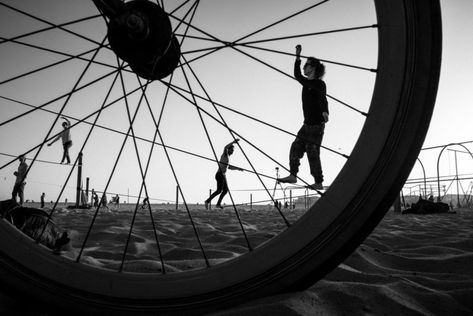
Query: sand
(410, 265)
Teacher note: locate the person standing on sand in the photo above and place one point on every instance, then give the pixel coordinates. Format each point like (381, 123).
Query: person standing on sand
(145, 203)
(19, 187)
(104, 200)
(96, 200)
(42, 199)
(315, 109)
(65, 135)
(220, 175)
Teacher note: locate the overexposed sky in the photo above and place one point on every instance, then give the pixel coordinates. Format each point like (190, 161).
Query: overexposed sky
(229, 77)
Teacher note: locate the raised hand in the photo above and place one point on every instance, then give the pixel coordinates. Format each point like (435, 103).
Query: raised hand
(298, 50)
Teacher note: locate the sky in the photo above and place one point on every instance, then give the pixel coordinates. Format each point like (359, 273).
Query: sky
(228, 77)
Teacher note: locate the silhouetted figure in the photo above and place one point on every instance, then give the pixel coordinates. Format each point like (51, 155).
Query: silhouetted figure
(42, 199)
(104, 200)
(19, 187)
(222, 187)
(145, 203)
(65, 135)
(315, 109)
(116, 200)
(96, 200)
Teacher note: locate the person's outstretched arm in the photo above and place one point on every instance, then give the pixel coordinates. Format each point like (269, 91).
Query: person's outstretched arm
(232, 167)
(55, 139)
(297, 66)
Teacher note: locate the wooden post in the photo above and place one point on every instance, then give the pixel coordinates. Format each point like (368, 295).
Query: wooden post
(210, 203)
(177, 197)
(79, 180)
(87, 189)
(251, 201)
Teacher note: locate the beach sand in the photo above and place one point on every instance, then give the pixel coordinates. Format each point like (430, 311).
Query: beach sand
(410, 265)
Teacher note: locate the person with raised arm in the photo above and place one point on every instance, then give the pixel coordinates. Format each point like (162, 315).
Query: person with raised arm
(315, 109)
(65, 135)
(220, 176)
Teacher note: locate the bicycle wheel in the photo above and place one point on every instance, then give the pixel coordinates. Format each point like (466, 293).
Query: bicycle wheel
(406, 78)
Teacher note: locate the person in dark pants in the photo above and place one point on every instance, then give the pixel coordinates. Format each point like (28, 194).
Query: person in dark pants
(42, 199)
(315, 109)
(96, 199)
(65, 135)
(220, 176)
(145, 203)
(19, 187)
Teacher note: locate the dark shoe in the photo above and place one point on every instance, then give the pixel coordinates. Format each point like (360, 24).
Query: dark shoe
(219, 206)
(289, 179)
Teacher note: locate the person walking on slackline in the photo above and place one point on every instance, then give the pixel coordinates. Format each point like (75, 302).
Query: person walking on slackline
(315, 109)
(220, 175)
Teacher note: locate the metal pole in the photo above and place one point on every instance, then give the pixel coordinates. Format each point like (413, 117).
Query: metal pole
(456, 175)
(438, 161)
(439, 198)
(290, 199)
(79, 180)
(425, 178)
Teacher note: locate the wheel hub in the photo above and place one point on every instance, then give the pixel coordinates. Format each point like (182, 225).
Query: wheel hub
(140, 33)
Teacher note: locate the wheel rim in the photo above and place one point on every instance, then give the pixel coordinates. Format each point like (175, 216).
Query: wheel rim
(310, 247)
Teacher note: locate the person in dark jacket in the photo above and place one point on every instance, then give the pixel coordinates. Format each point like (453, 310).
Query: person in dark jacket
(315, 109)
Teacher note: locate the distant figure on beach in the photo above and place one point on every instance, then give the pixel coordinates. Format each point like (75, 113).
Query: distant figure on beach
(104, 200)
(315, 109)
(65, 135)
(145, 203)
(220, 176)
(116, 200)
(42, 199)
(19, 187)
(96, 199)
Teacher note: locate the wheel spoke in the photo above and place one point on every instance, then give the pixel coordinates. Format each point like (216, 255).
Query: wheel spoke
(58, 26)
(282, 20)
(322, 60)
(355, 28)
(15, 38)
(125, 139)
